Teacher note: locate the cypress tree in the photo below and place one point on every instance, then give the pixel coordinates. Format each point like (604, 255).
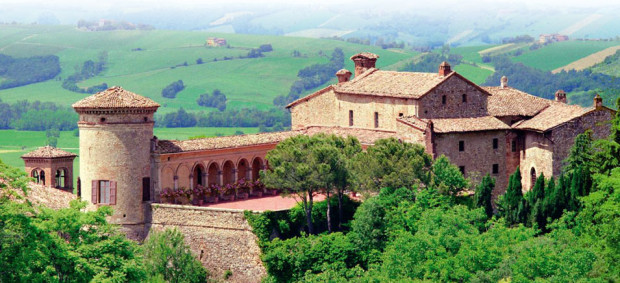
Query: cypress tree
(484, 191)
(536, 197)
(512, 204)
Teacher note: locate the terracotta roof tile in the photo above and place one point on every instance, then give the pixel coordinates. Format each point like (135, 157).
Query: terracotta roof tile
(512, 102)
(115, 97)
(367, 55)
(394, 84)
(556, 114)
(366, 136)
(48, 152)
(415, 122)
(455, 125)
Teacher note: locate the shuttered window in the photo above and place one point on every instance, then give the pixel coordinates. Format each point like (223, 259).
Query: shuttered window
(103, 192)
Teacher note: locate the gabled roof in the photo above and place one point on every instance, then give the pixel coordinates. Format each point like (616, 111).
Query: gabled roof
(513, 102)
(308, 97)
(115, 97)
(554, 115)
(48, 152)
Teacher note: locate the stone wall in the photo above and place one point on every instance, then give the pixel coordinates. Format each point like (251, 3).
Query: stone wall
(364, 108)
(220, 238)
(318, 110)
(478, 155)
(537, 154)
(431, 105)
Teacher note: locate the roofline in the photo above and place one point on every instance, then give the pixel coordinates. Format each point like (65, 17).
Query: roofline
(454, 73)
(411, 124)
(308, 97)
(593, 109)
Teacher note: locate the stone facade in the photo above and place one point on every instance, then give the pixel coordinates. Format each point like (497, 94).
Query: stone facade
(221, 239)
(50, 167)
(462, 99)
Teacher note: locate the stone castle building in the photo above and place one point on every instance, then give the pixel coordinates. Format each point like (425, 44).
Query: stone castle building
(483, 130)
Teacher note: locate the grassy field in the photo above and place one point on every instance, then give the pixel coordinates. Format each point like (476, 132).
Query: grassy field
(14, 144)
(473, 73)
(560, 54)
(246, 82)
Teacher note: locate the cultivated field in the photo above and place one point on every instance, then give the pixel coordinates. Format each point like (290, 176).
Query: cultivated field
(589, 60)
(560, 54)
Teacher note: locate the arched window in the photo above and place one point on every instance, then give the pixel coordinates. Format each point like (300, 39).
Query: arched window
(199, 172)
(42, 177)
(60, 178)
(35, 174)
(532, 177)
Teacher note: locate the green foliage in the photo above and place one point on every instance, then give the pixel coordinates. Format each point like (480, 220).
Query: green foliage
(484, 194)
(228, 118)
(24, 71)
(430, 62)
(607, 156)
(446, 177)
(216, 100)
(171, 90)
(165, 253)
(512, 205)
(36, 116)
(89, 69)
(391, 163)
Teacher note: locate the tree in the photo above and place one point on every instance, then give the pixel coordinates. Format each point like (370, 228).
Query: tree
(348, 148)
(300, 165)
(446, 177)
(391, 163)
(484, 193)
(512, 205)
(608, 150)
(167, 254)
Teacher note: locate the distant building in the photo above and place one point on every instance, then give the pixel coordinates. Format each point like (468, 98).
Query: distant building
(554, 37)
(216, 41)
(51, 167)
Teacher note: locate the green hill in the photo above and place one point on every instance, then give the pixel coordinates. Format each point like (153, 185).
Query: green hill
(559, 54)
(147, 61)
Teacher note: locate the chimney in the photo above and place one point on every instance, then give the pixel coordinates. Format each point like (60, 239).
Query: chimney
(598, 101)
(444, 69)
(504, 82)
(560, 96)
(364, 61)
(343, 76)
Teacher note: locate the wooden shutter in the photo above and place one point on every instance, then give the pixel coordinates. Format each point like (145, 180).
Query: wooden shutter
(112, 192)
(94, 191)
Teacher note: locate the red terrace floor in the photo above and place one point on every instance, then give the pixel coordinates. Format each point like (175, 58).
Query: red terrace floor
(273, 203)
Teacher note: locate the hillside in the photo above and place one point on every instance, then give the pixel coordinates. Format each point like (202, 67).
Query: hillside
(147, 61)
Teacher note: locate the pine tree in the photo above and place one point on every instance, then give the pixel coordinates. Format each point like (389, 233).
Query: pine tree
(484, 192)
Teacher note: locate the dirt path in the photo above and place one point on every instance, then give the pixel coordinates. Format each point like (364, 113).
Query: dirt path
(589, 60)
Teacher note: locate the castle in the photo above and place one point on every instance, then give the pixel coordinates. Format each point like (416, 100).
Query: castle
(483, 130)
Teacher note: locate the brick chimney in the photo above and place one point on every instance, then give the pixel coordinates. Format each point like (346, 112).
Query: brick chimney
(503, 82)
(560, 96)
(343, 76)
(598, 101)
(444, 69)
(364, 61)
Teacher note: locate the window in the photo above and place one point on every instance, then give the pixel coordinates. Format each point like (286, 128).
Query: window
(146, 189)
(103, 191)
(35, 175)
(514, 145)
(462, 169)
(376, 119)
(400, 115)
(495, 168)
(350, 117)
(102, 119)
(461, 145)
(533, 177)
(464, 98)
(495, 143)
(443, 99)
(60, 178)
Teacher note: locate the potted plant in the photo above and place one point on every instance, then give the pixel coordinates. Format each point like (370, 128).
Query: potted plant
(227, 192)
(182, 195)
(198, 195)
(242, 189)
(166, 196)
(213, 193)
(255, 190)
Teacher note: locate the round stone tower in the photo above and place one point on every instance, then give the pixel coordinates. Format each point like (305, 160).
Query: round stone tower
(116, 127)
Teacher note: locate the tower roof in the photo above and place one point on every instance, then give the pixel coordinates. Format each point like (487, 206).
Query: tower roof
(365, 55)
(115, 97)
(48, 152)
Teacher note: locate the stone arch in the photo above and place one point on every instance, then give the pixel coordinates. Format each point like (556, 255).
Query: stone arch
(182, 175)
(198, 174)
(243, 169)
(228, 172)
(532, 178)
(61, 177)
(35, 174)
(213, 173)
(257, 166)
(167, 177)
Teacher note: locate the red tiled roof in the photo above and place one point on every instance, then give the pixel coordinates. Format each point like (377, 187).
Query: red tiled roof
(366, 55)
(453, 125)
(556, 114)
(115, 97)
(48, 152)
(366, 136)
(513, 102)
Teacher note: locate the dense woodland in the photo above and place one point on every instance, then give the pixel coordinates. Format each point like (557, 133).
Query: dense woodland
(23, 71)
(37, 116)
(416, 224)
(216, 100)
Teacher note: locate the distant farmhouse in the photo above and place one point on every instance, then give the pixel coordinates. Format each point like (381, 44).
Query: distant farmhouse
(216, 42)
(483, 130)
(554, 37)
